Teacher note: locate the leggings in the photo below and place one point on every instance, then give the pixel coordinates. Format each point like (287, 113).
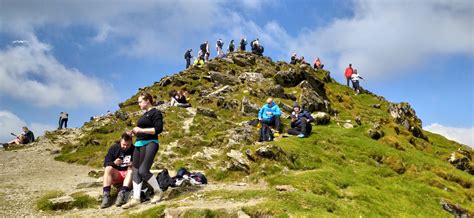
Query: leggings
(142, 160)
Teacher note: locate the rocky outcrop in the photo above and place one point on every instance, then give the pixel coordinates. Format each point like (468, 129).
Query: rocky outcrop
(288, 78)
(206, 112)
(321, 118)
(404, 115)
(223, 79)
(271, 152)
(461, 159)
(242, 135)
(249, 108)
(251, 77)
(237, 161)
(311, 101)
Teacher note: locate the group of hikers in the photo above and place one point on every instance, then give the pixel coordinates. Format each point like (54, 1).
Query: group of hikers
(316, 65)
(352, 75)
(128, 164)
(269, 116)
(204, 51)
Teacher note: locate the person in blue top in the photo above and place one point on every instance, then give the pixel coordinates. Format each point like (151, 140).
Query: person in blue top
(270, 114)
(146, 146)
(300, 122)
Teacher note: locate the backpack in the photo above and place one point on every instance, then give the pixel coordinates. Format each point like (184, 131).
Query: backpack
(203, 46)
(266, 133)
(219, 43)
(164, 180)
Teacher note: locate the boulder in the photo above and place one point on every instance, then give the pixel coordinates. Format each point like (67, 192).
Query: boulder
(311, 101)
(227, 104)
(285, 107)
(375, 133)
(461, 159)
(285, 188)
(223, 79)
(321, 118)
(251, 77)
(249, 108)
(276, 91)
(348, 126)
(316, 84)
(288, 78)
(221, 91)
(63, 202)
(404, 115)
(271, 152)
(121, 115)
(206, 112)
(237, 161)
(242, 135)
(376, 106)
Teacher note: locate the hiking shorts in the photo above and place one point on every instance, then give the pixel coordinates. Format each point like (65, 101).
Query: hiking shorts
(119, 176)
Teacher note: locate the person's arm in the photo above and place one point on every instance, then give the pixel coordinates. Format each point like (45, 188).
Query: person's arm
(309, 117)
(277, 111)
(110, 157)
(260, 113)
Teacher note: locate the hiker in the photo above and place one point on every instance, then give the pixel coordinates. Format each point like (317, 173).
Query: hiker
(355, 81)
(256, 47)
(243, 43)
(300, 122)
(317, 64)
(301, 60)
(24, 138)
(148, 127)
(293, 59)
(188, 57)
(203, 50)
(348, 73)
(63, 117)
(219, 44)
(118, 171)
(269, 115)
(231, 46)
(208, 52)
(180, 99)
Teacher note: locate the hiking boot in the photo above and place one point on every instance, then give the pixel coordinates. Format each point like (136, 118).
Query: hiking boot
(122, 198)
(131, 203)
(106, 200)
(301, 135)
(157, 197)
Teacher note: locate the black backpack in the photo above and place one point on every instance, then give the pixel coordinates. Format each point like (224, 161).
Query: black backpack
(203, 46)
(220, 44)
(266, 133)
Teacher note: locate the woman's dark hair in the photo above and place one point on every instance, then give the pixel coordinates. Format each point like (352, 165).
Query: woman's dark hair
(147, 96)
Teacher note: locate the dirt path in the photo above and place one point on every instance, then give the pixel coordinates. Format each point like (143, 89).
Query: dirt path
(28, 174)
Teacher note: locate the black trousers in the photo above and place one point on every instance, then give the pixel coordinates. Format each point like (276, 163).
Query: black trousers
(62, 122)
(275, 122)
(302, 127)
(143, 158)
(188, 62)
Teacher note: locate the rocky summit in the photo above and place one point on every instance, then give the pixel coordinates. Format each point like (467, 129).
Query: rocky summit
(365, 156)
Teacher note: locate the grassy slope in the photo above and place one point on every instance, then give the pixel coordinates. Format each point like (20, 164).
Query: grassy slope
(336, 171)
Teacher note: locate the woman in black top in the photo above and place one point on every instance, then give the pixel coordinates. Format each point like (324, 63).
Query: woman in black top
(146, 146)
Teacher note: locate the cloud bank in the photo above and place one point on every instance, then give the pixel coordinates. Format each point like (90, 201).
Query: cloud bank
(461, 135)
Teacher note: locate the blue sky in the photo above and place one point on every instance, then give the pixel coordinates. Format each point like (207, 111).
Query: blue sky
(84, 57)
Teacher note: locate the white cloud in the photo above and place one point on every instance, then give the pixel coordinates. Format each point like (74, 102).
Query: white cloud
(390, 36)
(461, 135)
(31, 73)
(10, 123)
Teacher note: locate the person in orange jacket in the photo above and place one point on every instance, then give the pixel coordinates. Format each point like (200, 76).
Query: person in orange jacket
(348, 74)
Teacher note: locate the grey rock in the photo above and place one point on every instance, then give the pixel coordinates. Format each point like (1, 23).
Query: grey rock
(272, 152)
(376, 106)
(121, 115)
(63, 202)
(311, 101)
(375, 133)
(227, 104)
(88, 185)
(348, 126)
(321, 118)
(288, 78)
(223, 78)
(285, 188)
(251, 77)
(249, 108)
(206, 112)
(242, 135)
(237, 161)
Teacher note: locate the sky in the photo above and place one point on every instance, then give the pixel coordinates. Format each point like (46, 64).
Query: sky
(85, 57)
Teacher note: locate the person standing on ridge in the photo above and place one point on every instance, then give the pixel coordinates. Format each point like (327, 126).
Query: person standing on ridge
(188, 57)
(348, 74)
(202, 50)
(293, 59)
(231, 46)
(63, 118)
(148, 127)
(355, 81)
(243, 43)
(219, 45)
(208, 52)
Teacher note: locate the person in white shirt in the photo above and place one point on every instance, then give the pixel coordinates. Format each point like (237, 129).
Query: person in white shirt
(355, 81)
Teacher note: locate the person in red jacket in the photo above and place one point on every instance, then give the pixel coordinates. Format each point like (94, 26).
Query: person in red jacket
(348, 74)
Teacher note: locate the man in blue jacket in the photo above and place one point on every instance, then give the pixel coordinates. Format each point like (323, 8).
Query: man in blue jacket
(270, 114)
(300, 122)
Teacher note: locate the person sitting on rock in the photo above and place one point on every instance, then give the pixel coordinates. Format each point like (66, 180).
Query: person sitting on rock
(301, 60)
(270, 114)
(300, 122)
(317, 64)
(180, 99)
(118, 171)
(355, 81)
(24, 138)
